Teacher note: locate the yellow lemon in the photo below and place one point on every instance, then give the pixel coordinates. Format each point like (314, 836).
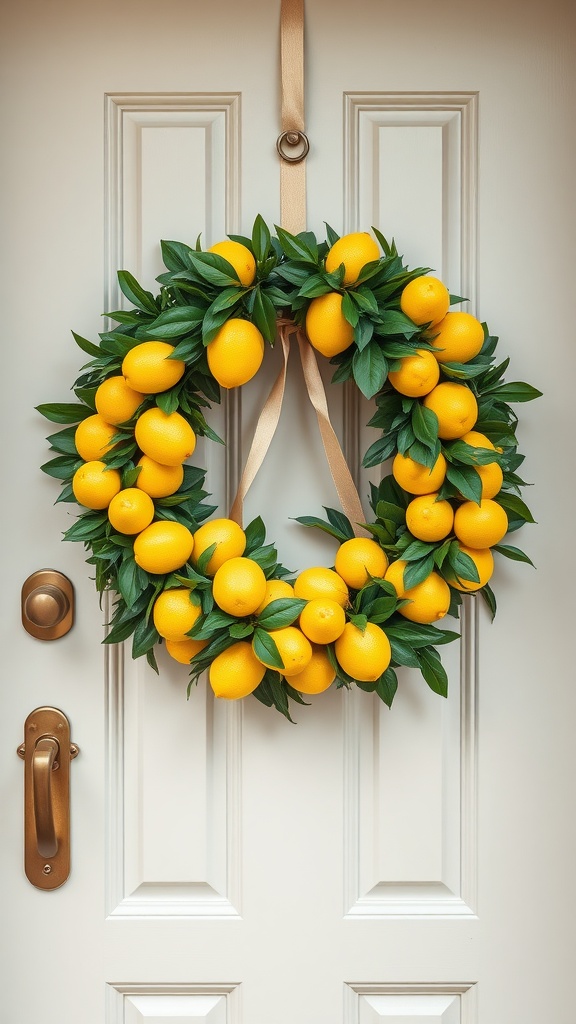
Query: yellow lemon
(174, 614)
(294, 648)
(429, 519)
(184, 650)
(326, 326)
(115, 401)
(418, 479)
(425, 300)
(276, 590)
(227, 535)
(236, 672)
(163, 547)
(417, 375)
(483, 560)
(491, 474)
(322, 620)
(93, 438)
(480, 526)
(165, 438)
(239, 586)
(429, 600)
(457, 338)
(395, 575)
(358, 559)
(239, 257)
(131, 511)
(364, 655)
(318, 675)
(148, 368)
(94, 485)
(320, 582)
(455, 406)
(156, 480)
(235, 354)
(354, 251)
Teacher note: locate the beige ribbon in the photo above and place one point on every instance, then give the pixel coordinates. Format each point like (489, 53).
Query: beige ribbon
(268, 421)
(292, 175)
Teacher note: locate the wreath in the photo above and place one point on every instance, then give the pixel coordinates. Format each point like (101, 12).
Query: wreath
(214, 592)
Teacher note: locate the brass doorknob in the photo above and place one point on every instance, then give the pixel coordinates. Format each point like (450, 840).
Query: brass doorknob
(47, 604)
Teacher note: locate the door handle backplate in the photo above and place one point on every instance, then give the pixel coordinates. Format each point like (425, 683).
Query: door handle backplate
(47, 753)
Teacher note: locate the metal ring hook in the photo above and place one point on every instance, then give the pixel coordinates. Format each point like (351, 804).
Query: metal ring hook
(292, 139)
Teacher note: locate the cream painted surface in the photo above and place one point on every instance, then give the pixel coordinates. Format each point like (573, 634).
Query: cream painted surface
(363, 866)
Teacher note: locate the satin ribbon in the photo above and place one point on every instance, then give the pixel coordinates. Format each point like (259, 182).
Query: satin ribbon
(292, 175)
(268, 421)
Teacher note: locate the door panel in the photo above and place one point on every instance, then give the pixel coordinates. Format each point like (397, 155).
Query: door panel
(363, 865)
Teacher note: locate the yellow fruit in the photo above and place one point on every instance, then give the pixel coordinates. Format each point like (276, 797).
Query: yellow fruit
(429, 519)
(229, 537)
(115, 401)
(425, 300)
(236, 353)
(417, 479)
(156, 480)
(354, 251)
(147, 367)
(457, 338)
(358, 559)
(429, 600)
(93, 438)
(395, 576)
(239, 257)
(131, 511)
(167, 439)
(239, 586)
(480, 526)
(322, 620)
(184, 650)
(318, 674)
(326, 326)
(484, 561)
(276, 590)
(236, 672)
(363, 655)
(417, 375)
(456, 408)
(321, 582)
(174, 614)
(294, 648)
(163, 547)
(94, 485)
(491, 474)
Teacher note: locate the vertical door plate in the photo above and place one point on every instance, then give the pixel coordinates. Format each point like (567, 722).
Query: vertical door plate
(47, 752)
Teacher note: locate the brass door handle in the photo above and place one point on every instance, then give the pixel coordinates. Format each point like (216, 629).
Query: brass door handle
(44, 762)
(47, 753)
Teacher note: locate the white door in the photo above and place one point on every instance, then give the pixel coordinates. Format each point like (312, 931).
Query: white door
(363, 865)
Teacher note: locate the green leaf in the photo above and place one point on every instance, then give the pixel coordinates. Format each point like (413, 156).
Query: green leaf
(264, 315)
(175, 322)
(516, 391)
(214, 269)
(433, 671)
(135, 293)
(266, 650)
(132, 581)
(387, 686)
(176, 255)
(512, 503)
(64, 412)
(240, 630)
(255, 534)
(425, 425)
(466, 480)
(86, 346)
(282, 612)
(417, 572)
(321, 525)
(379, 451)
(86, 527)
(62, 467)
(392, 321)
(145, 636)
(63, 441)
(514, 553)
(370, 369)
(260, 239)
(340, 522)
(350, 310)
(490, 599)
(295, 248)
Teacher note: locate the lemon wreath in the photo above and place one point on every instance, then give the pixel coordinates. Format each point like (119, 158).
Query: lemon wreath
(215, 593)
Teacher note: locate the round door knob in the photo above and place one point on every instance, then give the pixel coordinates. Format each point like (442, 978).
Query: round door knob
(47, 604)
